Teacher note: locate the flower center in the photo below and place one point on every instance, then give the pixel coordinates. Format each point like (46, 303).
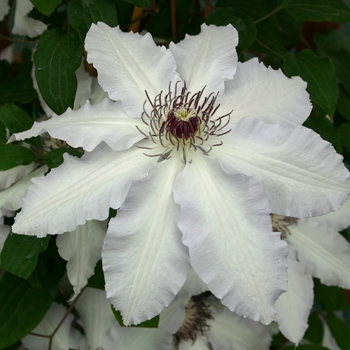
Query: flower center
(181, 120)
(280, 224)
(197, 314)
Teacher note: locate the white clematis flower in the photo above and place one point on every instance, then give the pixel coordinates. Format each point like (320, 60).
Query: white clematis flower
(316, 249)
(190, 154)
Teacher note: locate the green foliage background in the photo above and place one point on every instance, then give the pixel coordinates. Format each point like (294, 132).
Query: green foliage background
(308, 38)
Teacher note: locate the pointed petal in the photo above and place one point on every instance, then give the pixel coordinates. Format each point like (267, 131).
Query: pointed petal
(10, 176)
(128, 64)
(302, 175)
(89, 126)
(80, 190)
(145, 229)
(230, 332)
(324, 253)
(96, 316)
(23, 24)
(328, 339)
(81, 249)
(265, 94)
(207, 59)
(338, 220)
(293, 306)
(193, 285)
(11, 198)
(224, 220)
(65, 338)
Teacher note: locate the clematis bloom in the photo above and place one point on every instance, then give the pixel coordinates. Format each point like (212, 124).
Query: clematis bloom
(196, 150)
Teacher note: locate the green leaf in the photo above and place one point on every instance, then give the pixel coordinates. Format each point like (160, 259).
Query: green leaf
(305, 347)
(141, 3)
(244, 25)
(253, 8)
(345, 135)
(319, 74)
(14, 118)
(3, 134)
(12, 155)
(336, 46)
(82, 13)
(22, 307)
(330, 298)
(152, 323)
(343, 105)
(320, 10)
(20, 253)
(46, 6)
(340, 331)
(55, 157)
(314, 333)
(56, 59)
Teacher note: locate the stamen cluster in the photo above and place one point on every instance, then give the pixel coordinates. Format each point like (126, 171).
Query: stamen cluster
(180, 119)
(280, 224)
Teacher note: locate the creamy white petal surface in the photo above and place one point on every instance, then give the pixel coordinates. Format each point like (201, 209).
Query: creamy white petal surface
(66, 193)
(4, 8)
(217, 45)
(81, 249)
(89, 126)
(125, 70)
(302, 175)
(10, 176)
(65, 338)
(96, 316)
(25, 25)
(217, 236)
(147, 255)
(293, 306)
(324, 253)
(266, 94)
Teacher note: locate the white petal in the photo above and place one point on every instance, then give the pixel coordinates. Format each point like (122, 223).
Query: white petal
(4, 9)
(65, 338)
(302, 175)
(84, 80)
(128, 64)
(11, 198)
(338, 220)
(201, 343)
(143, 247)
(324, 252)
(10, 176)
(82, 249)
(4, 232)
(265, 94)
(293, 306)
(193, 285)
(89, 126)
(225, 222)
(207, 59)
(328, 339)
(230, 332)
(97, 93)
(96, 316)
(25, 25)
(80, 190)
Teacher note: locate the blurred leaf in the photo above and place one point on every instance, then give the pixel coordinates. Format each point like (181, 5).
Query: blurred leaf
(140, 3)
(3, 136)
(159, 25)
(55, 157)
(56, 59)
(152, 323)
(244, 25)
(14, 118)
(82, 13)
(20, 253)
(345, 135)
(314, 333)
(343, 105)
(253, 8)
(319, 74)
(12, 155)
(336, 46)
(340, 331)
(46, 6)
(330, 298)
(320, 10)
(97, 280)
(22, 307)
(305, 347)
